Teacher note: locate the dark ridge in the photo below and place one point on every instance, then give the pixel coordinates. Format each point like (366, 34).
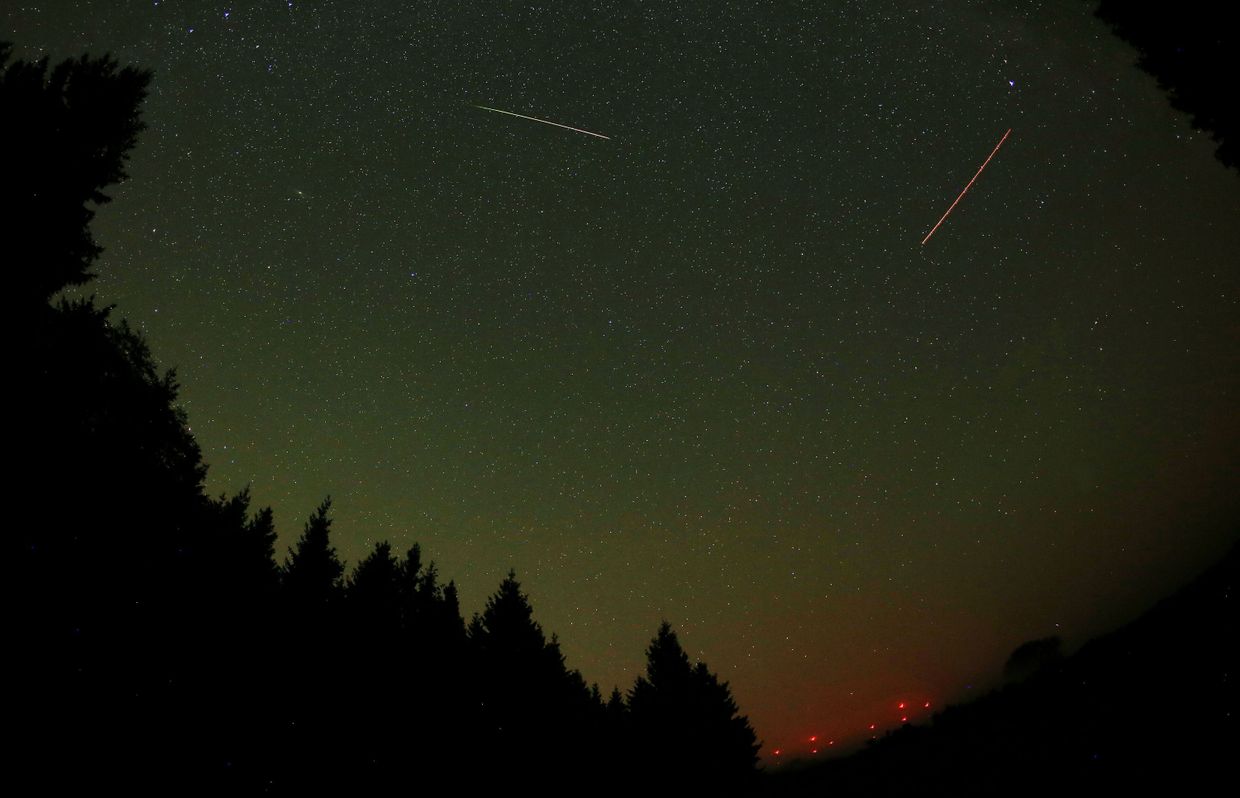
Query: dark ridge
(1151, 704)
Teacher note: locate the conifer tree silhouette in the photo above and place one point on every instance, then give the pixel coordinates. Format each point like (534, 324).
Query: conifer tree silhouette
(312, 572)
(66, 138)
(533, 705)
(440, 702)
(686, 724)
(241, 549)
(316, 654)
(374, 593)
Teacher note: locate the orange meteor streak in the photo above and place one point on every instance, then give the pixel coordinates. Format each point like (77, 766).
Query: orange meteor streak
(966, 188)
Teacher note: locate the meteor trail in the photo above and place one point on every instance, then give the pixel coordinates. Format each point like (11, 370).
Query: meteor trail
(966, 188)
(545, 122)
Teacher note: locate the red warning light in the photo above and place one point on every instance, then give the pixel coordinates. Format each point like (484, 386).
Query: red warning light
(871, 727)
(814, 751)
(904, 719)
(901, 705)
(832, 742)
(777, 752)
(814, 738)
(927, 705)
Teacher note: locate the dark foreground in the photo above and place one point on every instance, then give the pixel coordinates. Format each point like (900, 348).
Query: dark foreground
(1149, 708)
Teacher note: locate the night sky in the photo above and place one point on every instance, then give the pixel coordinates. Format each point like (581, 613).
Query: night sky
(703, 370)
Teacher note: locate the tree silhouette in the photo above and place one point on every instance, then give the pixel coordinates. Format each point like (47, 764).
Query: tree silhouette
(316, 651)
(374, 593)
(686, 723)
(507, 626)
(1192, 60)
(145, 603)
(312, 572)
(1032, 656)
(434, 628)
(533, 705)
(236, 551)
(66, 137)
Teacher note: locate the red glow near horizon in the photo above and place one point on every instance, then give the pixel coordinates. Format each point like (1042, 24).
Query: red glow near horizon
(906, 707)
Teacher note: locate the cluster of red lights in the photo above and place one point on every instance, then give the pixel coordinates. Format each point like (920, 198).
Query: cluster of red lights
(902, 707)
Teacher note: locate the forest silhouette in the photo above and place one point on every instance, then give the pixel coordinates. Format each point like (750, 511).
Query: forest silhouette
(160, 645)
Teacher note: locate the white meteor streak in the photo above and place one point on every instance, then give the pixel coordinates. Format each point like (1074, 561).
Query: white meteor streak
(545, 122)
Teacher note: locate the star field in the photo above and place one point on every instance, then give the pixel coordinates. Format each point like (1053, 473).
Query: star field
(704, 370)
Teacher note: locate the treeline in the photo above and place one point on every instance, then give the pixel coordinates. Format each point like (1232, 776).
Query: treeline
(1189, 48)
(157, 642)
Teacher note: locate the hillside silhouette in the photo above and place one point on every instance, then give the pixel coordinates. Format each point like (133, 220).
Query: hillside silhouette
(160, 644)
(1151, 705)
